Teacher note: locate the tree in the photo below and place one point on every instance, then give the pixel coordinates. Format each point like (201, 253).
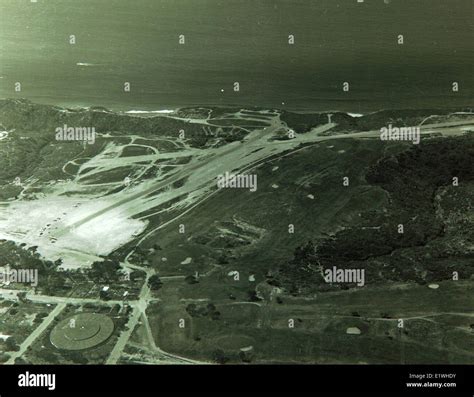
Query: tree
(104, 295)
(191, 279)
(11, 344)
(154, 282)
(220, 357)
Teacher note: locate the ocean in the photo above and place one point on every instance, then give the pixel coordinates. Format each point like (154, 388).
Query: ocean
(81, 53)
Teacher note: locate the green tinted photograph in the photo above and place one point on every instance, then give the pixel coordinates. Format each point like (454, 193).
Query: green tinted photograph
(236, 182)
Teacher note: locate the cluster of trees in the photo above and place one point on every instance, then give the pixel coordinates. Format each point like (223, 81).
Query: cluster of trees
(221, 357)
(11, 345)
(155, 283)
(209, 310)
(412, 179)
(106, 271)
